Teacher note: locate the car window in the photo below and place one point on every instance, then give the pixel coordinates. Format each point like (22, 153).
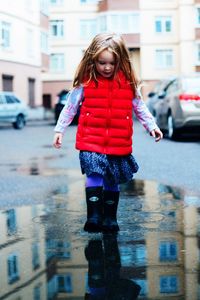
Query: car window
(10, 99)
(1, 99)
(63, 97)
(191, 85)
(16, 100)
(172, 87)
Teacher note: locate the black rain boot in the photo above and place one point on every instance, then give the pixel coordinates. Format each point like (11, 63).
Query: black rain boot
(110, 204)
(94, 209)
(95, 257)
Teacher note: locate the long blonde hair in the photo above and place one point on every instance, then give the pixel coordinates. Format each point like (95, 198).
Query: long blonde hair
(86, 70)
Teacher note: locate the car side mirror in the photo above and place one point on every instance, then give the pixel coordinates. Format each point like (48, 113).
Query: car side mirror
(162, 95)
(151, 94)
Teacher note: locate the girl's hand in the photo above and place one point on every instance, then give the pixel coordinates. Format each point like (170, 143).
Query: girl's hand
(57, 141)
(157, 134)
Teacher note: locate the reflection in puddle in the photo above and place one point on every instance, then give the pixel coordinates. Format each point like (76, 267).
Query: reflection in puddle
(44, 253)
(34, 167)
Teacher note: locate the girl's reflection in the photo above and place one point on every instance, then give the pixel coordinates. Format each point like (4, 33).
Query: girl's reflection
(104, 282)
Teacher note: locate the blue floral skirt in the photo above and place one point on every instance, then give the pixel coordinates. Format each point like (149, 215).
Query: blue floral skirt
(115, 169)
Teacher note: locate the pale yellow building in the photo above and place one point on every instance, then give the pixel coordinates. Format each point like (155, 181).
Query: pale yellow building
(22, 254)
(163, 37)
(23, 48)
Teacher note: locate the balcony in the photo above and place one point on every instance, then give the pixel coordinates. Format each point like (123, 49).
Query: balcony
(106, 5)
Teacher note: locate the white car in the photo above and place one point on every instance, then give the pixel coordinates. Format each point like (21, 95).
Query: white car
(178, 106)
(12, 110)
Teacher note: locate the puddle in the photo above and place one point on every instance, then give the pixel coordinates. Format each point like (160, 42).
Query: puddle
(46, 255)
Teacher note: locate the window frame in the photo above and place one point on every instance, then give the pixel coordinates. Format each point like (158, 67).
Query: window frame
(11, 259)
(6, 29)
(169, 289)
(198, 16)
(60, 63)
(163, 24)
(164, 56)
(59, 25)
(90, 30)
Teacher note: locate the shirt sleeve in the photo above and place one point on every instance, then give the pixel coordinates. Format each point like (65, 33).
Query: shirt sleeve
(74, 99)
(143, 114)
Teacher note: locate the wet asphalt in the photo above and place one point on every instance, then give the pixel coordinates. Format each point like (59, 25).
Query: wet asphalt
(44, 252)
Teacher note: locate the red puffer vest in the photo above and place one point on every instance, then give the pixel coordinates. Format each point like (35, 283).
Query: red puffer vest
(106, 122)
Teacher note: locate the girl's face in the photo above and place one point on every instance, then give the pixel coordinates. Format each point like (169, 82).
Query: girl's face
(105, 64)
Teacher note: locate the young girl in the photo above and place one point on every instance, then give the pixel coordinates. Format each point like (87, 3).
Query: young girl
(106, 87)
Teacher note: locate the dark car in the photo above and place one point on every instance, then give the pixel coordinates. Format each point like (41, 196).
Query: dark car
(61, 101)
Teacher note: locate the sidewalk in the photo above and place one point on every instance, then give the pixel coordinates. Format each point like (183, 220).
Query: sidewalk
(40, 114)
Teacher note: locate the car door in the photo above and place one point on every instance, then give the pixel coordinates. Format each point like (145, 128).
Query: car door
(3, 108)
(172, 105)
(162, 106)
(12, 106)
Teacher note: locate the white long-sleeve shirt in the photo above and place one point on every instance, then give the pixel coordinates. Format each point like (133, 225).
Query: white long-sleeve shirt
(76, 96)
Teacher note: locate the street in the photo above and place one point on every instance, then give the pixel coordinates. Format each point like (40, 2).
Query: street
(44, 251)
(168, 162)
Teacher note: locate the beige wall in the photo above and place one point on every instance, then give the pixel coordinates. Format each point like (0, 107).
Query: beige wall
(21, 73)
(23, 58)
(180, 40)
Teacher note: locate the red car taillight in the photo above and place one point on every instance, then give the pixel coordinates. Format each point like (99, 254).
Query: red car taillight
(186, 97)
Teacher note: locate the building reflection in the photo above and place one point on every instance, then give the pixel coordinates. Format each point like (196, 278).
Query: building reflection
(45, 255)
(22, 255)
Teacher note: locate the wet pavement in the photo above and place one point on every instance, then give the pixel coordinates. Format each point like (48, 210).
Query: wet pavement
(45, 254)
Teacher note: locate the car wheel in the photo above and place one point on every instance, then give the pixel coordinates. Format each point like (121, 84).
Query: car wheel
(20, 122)
(171, 130)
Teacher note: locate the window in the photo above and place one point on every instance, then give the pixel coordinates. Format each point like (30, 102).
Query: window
(163, 24)
(164, 58)
(89, 1)
(44, 42)
(102, 23)
(62, 248)
(57, 28)
(124, 23)
(198, 54)
(5, 34)
(169, 284)
(11, 213)
(37, 292)
(88, 28)
(44, 6)
(198, 16)
(168, 251)
(30, 41)
(7, 82)
(64, 283)
(143, 284)
(136, 255)
(13, 270)
(35, 256)
(57, 63)
(56, 2)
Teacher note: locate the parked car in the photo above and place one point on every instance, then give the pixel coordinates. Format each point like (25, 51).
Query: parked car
(178, 106)
(12, 110)
(61, 101)
(160, 87)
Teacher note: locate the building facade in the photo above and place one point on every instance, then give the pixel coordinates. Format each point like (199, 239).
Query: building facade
(23, 48)
(72, 26)
(161, 41)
